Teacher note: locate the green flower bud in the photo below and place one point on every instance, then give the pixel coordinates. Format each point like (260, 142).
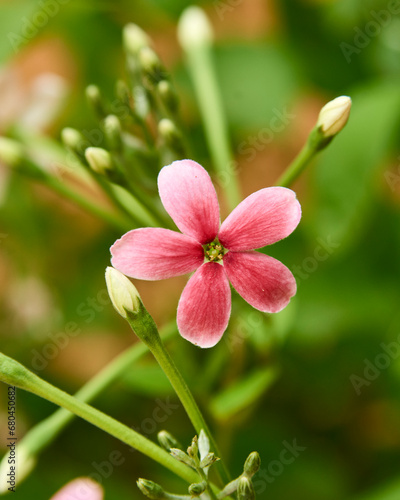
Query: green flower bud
(167, 441)
(113, 130)
(95, 100)
(99, 160)
(245, 490)
(151, 65)
(134, 39)
(123, 294)
(171, 136)
(182, 457)
(196, 489)
(193, 449)
(208, 460)
(167, 95)
(150, 489)
(252, 464)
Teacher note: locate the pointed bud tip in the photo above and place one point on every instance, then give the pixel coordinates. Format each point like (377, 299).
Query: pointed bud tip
(123, 294)
(334, 115)
(150, 489)
(194, 28)
(252, 464)
(167, 440)
(134, 38)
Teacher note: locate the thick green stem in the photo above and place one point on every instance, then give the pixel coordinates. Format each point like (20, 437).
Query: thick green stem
(13, 373)
(315, 143)
(44, 433)
(144, 327)
(118, 223)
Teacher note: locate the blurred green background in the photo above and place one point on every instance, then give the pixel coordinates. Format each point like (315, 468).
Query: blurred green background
(324, 373)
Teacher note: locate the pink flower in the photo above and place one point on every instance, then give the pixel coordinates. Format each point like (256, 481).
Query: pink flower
(82, 488)
(217, 254)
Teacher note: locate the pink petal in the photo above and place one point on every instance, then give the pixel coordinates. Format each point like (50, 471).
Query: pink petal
(189, 197)
(205, 306)
(263, 282)
(80, 489)
(263, 218)
(155, 254)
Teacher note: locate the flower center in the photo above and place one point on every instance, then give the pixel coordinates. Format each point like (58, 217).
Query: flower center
(214, 251)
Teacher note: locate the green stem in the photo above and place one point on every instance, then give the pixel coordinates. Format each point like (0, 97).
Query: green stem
(15, 374)
(209, 489)
(40, 436)
(144, 327)
(206, 87)
(117, 222)
(315, 143)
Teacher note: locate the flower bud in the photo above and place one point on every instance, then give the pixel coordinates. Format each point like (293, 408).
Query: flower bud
(167, 441)
(26, 462)
(150, 489)
(182, 457)
(204, 444)
(334, 115)
(134, 39)
(11, 152)
(208, 460)
(252, 464)
(245, 490)
(113, 130)
(193, 449)
(194, 28)
(99, 160)
(171, 136)
(151, 65)
(95, 100)
(123, 294)
(196, 489)
(167, 95)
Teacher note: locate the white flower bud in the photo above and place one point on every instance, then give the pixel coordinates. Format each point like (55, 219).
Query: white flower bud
(99, 160)
(134, 38)
(334, 115)
(123, 294)
(194, 28)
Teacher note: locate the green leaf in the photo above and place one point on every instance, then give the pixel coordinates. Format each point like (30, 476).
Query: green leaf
(241, 394)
